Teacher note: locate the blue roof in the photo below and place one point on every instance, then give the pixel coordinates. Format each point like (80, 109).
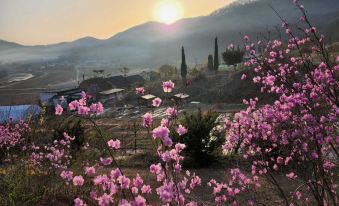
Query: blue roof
(18, 112)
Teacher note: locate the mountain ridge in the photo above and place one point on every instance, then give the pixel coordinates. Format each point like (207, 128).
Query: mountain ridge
(153, 43)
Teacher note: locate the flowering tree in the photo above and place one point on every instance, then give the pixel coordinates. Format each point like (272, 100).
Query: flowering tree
(297, 136)
(11, 136)
(115, 187)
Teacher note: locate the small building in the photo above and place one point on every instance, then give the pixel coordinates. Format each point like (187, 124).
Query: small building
(18, 112)
(112, 95)
(146, 100)
(52, 98)
(181, 99)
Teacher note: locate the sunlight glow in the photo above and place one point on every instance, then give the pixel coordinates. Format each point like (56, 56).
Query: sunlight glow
(168, 11)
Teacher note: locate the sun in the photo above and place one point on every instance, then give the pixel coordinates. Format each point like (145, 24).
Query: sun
(168, 11)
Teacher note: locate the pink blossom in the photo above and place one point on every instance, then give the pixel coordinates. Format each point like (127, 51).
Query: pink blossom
(243, 76)
(147, 120)
(156, 102)
(192, 204)
(167, 141)
(280, 160)
(146, 189)
(83, 110)
(166, 192)
(105, 200)
(67, 175)
(287, 160)
(58, 110)
(93, 108)
(124, 202)
(231, 46)
(179, 147)
(124, 182)
(246, 38)
(314, 155)
(100, 108)
(73, 105)
(337, 60)
(116, 173)
(328, 165)
(140, 90)
(168, 86)
(89, 171)
(78, 180)
(137, 181)
(100, 179)
(155, 168)
(160, 132)
(83, 95)
(181, 130)
(79, 202)
(139, 201)
(165, 122)
(106, 161)
(291, 175)
(114, 144)
(171, 112)
(269, 80)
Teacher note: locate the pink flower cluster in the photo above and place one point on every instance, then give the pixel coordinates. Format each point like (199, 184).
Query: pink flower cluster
(11, 134)
(168, 86)
(140, 90)
(298, 129)
(114, 144)
(55, 156)
(147, 120)
(156, 102)
(238, 183)
(82, 107)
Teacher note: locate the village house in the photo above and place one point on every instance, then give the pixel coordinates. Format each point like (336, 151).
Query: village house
(181, 99)
(111, 96)
(52, 98)
(146, 100)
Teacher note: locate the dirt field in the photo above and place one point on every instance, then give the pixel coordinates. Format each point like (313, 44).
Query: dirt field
(27, 91)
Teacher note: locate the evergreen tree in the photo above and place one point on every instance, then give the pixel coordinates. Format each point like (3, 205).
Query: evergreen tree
(210, 63)
(233, 56)
(183, 65)
(216, 55)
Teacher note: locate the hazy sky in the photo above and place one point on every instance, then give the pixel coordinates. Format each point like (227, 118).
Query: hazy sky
(33, 22)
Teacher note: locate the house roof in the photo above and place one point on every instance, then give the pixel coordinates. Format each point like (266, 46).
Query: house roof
(111, 91)
(182, 95)
(124, 82)
(65, 91)
(148, 96)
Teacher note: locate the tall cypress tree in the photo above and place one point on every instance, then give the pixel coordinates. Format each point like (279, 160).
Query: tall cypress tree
(183, 65)
(210, 64)
(216, 55)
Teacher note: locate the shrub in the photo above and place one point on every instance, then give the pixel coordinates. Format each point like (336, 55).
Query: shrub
(198, 139)
(73, 127)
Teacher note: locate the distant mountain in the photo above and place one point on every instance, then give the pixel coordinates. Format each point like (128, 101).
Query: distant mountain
(4, 45)
(152, 44)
